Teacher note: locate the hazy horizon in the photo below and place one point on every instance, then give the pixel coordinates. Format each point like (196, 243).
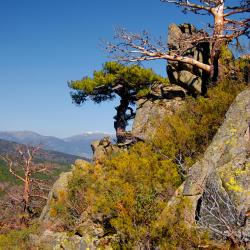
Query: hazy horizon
(68, 136)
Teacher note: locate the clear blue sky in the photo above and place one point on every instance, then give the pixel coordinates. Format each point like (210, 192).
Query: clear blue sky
(45, 43)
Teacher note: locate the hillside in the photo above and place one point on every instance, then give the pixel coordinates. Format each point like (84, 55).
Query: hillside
(76, 145)
(11, 185)
(7, 147)
(147, 196)
(61, 162)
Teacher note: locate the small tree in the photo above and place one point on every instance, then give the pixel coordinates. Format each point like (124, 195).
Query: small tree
(229, 24)
(34, 190)
(128, 82)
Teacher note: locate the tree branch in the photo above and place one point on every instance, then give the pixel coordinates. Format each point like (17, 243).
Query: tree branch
(138, 47)
(188, 5)
(237, 11)
(10, 165)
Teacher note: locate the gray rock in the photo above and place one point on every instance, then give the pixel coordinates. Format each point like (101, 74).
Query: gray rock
(152, 110)
(57, 192)
(59, 187)
(103, 149)
(218, 186)
(50, 240)
(187, 76)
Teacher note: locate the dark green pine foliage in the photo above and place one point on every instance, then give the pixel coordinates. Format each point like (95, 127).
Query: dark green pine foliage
(130, 83)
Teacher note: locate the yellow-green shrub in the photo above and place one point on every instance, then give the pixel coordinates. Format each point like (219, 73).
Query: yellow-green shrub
(172, 232)
(190, 130)
(131, 189)
(17, 239)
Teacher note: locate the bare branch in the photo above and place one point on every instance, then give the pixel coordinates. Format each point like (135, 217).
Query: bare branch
(139, 47)
(10, 165)
(218, 214)
(188, 6)
(132, 47)
(237, 11)
(33, 191)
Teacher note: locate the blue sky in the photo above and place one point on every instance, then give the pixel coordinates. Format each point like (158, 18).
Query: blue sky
(45, 43)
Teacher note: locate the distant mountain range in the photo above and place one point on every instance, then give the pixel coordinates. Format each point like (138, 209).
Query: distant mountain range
(10, 148)
(78, 145)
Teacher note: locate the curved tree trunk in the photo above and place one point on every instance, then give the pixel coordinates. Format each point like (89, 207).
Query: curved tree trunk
(121, 119)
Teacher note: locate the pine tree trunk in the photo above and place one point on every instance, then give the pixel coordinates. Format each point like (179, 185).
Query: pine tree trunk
(120, 120)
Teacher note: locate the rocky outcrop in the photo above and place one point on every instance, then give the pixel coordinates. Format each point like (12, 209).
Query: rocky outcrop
(103, 149)
(88, 233)
(187, 76)
(50, 240)
(164, 100)
(218, 186)
(184, 79)
(57, 194)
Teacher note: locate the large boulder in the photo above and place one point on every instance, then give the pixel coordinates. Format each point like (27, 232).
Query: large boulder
(58, 194)
(189, 77)
(56, 233)
(149, 111)
(218, 185)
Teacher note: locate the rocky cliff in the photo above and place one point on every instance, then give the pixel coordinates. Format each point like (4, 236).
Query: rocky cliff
(165, 100)
(217, 187)
(189, 77)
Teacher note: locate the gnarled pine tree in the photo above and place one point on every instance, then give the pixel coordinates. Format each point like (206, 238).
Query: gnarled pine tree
(128, 82)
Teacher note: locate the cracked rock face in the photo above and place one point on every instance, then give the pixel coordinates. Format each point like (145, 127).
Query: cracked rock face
(219, 184)
(189, 77)
(166, 100)
(103, 149)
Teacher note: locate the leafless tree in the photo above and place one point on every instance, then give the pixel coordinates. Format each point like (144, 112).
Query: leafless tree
(217, 213)
(33, 192)
(229, 23)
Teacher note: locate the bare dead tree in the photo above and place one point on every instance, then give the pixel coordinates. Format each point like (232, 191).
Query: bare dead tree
(229, 23)
(33, 192)
(218, 214)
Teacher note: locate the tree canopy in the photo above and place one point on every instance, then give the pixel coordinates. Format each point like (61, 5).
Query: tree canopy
(130, 83)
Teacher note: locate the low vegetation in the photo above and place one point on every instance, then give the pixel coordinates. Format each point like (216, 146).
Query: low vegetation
(17, 239)
(131, 189)
(127, 195)
(185, 135)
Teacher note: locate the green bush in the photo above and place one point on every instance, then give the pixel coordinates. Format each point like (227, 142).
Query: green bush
(189, 131)
(17, 239)
(131, 189)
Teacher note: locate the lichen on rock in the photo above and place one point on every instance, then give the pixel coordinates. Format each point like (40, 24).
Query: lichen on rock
(149, 111)
(221, 179)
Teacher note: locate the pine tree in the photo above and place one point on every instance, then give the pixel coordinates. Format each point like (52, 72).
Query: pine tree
(128, 82)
